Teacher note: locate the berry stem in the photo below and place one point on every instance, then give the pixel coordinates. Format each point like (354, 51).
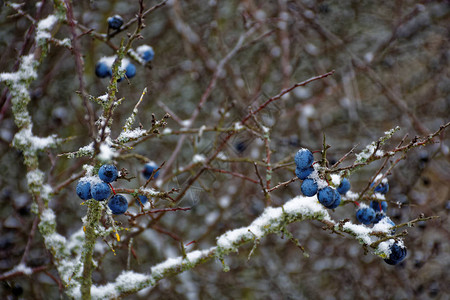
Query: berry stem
(190, 243)
(114, 192)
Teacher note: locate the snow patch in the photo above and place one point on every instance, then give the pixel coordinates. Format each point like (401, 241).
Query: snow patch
(128, 135)
(198, 158)
(362, 232)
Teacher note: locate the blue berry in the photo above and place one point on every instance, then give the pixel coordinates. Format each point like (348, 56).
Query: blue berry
(344, 187)
(102, 70)
(130, 70)
(146, 52)
(398, 254)
(118, 204)
(115, 22)
(240, 146)
(328, 197)
(84, 189)
(303, 158)
(100, 191)
(108, 173)
(143, 200)
(378, 217)
(148, 169)
(309, 187)
(303, 173)
(365, 215)
(379, 206)
(337, 200)
(382, 188)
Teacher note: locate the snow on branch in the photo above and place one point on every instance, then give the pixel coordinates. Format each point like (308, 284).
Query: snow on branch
(272, 220)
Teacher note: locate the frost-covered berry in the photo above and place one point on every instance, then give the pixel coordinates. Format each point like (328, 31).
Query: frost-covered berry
(365, 215)
(309, 187)
(100, 191)
(303, 173)
(146, 52)
(84, 189)
(143, 200)
(102, 70)
(130, 70)
(148, 169)
(398, 254)
(118, 204)
(344, 187)
(379, 206)
(382, 188)
(328, 196)
(303, 158)
(108, 173)
(115, 22)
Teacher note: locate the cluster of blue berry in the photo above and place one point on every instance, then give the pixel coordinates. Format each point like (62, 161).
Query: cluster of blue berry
(99, 188)
(312, 184)
(103, 67)
(375, 213)
(331, 198)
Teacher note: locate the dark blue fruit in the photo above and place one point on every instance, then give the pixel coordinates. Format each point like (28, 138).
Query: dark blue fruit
(84, 189)
(344, 187)
(382, 188)
(309, 187)
(143, 200)
(118, 204)
(337, 200)
(100, 191)
(365, 215)
(303, 173)
(303, 158)
(379, 205)
(148, 169)
(130, 70)
(115, 22)
(102, 70)
(108, 173)
(328, 196)
(146, 52)
(379, 215)
(398, 254)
